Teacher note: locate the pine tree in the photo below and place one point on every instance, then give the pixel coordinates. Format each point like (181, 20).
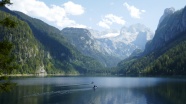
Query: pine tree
(6, 61)
(5, 2)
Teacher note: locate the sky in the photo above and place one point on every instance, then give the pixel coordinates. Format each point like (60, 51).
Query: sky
(97, 14)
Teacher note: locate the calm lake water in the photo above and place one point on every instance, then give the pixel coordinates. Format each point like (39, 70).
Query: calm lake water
(111, 90)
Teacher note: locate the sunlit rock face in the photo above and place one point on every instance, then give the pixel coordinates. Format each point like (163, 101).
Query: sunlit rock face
(109, 46)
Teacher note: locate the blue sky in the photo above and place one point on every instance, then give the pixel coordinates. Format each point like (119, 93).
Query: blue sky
(97, 14)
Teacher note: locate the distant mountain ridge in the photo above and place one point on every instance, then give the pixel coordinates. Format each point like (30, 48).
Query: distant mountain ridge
(109, 47)
(85, 43)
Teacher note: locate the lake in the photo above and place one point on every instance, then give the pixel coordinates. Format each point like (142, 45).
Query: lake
(110, 90)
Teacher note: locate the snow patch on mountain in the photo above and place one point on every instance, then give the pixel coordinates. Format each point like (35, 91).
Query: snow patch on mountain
(109, 46)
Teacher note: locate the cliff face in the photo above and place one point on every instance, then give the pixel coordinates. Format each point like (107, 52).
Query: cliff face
(109, 46)
(170, 26)
(165, 54)
(89, 46)
(167, 12)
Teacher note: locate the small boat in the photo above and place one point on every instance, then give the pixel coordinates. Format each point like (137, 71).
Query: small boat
(95, 87)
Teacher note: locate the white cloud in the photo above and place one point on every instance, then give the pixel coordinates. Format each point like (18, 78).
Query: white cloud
(109, 19)
(53, 14)
(143, 11)
(73, 9)
(134, 12)
(103, 24)
(70, 23)
(115, 19)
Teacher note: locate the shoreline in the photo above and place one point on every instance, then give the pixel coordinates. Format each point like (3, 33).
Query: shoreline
(30, 75)
(48, 75)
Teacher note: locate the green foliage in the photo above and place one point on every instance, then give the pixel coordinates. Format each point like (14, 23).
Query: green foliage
(170, 60)
(40, 45)
(6, 60)
(7, 64)
(28, 53)
(63, 54)
(5, 2)
(6, 85)
(7, 22)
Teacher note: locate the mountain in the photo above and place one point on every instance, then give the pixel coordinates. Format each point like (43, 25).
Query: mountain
(171, 26)
(167, 12)
(165, 53)
(109, 46)
(39, 46)
(85, 43)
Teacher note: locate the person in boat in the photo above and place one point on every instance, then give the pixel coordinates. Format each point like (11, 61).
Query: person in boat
(95, 87)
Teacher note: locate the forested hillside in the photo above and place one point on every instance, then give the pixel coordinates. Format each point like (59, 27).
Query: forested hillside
(170, 60)
(40, 46)
(165, 54)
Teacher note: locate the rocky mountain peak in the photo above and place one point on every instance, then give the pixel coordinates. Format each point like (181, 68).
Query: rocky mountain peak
(169, 28)
(167, 11)
(133, 32)
(109, 46)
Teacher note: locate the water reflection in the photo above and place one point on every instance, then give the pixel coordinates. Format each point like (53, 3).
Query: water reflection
(111, 90)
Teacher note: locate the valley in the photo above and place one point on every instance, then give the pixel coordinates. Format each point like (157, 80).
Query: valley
(133, 50)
